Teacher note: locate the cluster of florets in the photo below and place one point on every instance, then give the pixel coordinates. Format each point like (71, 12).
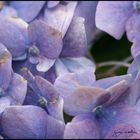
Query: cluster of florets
(45, 73)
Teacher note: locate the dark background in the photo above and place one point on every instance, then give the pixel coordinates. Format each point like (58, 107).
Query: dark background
(107, 48)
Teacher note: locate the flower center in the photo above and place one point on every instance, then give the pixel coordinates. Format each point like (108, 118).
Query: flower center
(98, 111)
(33, 50)
(42, 101)
(136, 5)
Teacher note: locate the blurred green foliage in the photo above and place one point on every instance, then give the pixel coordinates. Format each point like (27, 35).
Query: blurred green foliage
(107, 48)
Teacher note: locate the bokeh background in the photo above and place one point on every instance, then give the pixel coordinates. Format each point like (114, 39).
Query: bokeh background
(105, 49)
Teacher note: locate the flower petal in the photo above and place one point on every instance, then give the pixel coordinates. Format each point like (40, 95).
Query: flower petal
(14, 35)
(60, 68)
(17, 89)
(110, 81)
(135, 66)
(33, 7)
(50, 75)
(82, 100)
(75, 42)
(68, 83)
(108, 15)
(54, 102)
(46, 38)
(5, 67)
(56, 109)
(82, 129)
(61, 17)
(87, 9)
(116, 91)
(45, 64)
(4, 103)
(78, 65)
(132, 27)
(133, 93)
(25, 121)
(47, 89)
(52, 4)
(55, 128)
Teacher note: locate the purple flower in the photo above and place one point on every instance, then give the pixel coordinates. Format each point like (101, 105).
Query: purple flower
(112, 112)
(42, 93)
(116, 121)
(35, 8)
(82, 93)
(114, 115)
(65, 10)
(30, 122)
(53, 48)
(108, 15)
(14, 35)
(43, 45)
(10, 83)
(41, 116)
(61, 55)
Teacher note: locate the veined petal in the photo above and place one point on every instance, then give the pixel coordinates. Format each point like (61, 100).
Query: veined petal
(75, 41)
(47, 89)
(108, 15)
(68, 83)
(87, 9)
(25, 121)
(47, 39)
(61, 16)
(82, 100)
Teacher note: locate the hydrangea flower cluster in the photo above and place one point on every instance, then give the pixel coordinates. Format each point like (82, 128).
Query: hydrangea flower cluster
(45, 73)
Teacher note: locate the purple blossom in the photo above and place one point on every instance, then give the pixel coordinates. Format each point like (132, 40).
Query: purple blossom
(10, 82)
(108, 15)
(114, 116)
(35, 8)
(82, 93)
(48, 42)
(30, 121)
(65, 10)
(48, 47)
(42, 93)
(41, 116)
(107, 122)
